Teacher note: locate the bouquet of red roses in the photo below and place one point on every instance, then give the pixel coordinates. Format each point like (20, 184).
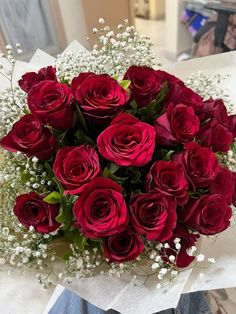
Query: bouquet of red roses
(131, 168)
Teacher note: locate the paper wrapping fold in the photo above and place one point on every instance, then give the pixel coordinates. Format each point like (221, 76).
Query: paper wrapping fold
(120, 294)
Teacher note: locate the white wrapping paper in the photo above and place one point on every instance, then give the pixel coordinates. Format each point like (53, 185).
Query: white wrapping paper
(120, 294)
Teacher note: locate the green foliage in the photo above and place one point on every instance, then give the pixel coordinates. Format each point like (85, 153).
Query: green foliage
(152, 111)
(133, 108)
(65, 216)
(53, 198)
(107, 173)
(64, 81)
(81, 119)
(67, 255)
(125, 84)
(80, 241)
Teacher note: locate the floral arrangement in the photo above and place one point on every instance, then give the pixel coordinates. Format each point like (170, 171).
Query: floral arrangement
(112, 166)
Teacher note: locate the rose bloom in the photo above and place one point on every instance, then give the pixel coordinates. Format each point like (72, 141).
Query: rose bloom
(51, 103)
(75, 166)
(187, 240)
(178, 92)
(30, 79)
(178, 125)
(234, 192)
(209, 214)
(200, 164)
(127, 141)
(31, 210)
(145, 84)
(223, 184)
(31, 138)
(214, 108)
(168, 177)
(232, 124)
(101, 210)
(123, 246)
(153, 215)
(215, 135)
(100, 97)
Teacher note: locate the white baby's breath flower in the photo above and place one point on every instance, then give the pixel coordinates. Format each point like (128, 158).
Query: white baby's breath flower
(200, 258)
(211, 260)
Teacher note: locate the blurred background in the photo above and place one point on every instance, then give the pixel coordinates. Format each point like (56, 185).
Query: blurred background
(179, 29)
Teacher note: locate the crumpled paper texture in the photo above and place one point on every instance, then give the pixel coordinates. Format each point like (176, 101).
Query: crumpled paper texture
(23, 294)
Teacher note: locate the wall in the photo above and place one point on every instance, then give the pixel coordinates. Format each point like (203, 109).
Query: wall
(157, 9)
(178, 38)
(80, 16)
(73, 19)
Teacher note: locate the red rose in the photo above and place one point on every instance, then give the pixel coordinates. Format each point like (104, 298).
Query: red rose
(187, 240)
(178, 125)
(127, 141)
(209, 214)
(215, 135)
(124, 246)
(234, 192)
(30, 79)
(214, 108)
(179, 93)
(31, 138)
(51, 102)
(169, 78)
(223, 184)
(100, 210)
(100, 97)
(168, 177)
(31, 210)
(145, 84)
(74, 167)
(154, 215)
(200, 164)
(232, 124)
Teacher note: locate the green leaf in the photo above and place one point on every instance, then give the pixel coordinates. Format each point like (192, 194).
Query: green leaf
(152, 111)
(81, 118)
(53, 198)
(125, 84)
(66, 255)
(116, 77)
(64, 81)
(106, 172)
(113, 168)
(48, 167)
(80, 241)
(59, 186)
(168, 155)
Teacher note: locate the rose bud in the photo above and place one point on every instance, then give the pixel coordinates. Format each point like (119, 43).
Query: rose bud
(75, 166)
(31, 138)
(123, 246)
(127, 141)
(31, 210)
(51, 103)
(101, 210)
(30, 79)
